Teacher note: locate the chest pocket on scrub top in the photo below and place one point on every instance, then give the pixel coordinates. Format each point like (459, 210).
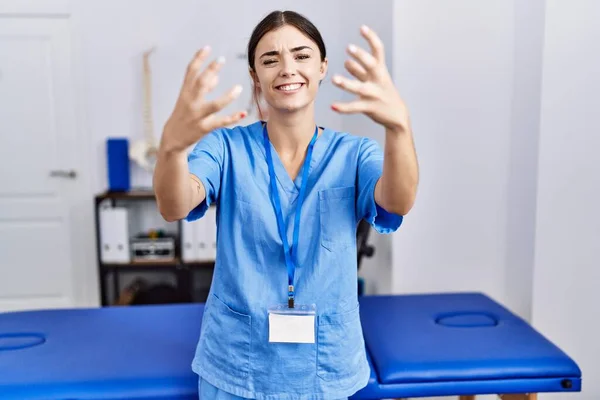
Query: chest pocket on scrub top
(337, 217)
(256, 241)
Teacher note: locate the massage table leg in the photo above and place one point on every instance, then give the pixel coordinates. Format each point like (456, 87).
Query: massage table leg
(529, 396)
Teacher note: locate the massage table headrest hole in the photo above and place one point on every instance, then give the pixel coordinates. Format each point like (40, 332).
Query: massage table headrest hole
(473, 319)
(18, 341)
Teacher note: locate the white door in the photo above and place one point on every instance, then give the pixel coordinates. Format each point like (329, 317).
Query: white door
(39, 170)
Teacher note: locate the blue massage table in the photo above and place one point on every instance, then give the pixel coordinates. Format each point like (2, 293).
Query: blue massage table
(418, 346)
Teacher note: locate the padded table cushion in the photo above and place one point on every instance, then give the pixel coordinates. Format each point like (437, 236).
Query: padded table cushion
(141, 352)
(418, 345)
(457, 343)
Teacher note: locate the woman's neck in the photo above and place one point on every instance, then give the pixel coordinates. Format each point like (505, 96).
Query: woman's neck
(291, 133)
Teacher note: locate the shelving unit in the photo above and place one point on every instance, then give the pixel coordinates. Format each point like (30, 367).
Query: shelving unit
(110, 273)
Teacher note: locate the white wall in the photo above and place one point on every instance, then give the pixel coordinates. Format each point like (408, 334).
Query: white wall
(567, 256)
(504, 98)
(455, 67)
(471, 75)
(377, 270)
(523, 156)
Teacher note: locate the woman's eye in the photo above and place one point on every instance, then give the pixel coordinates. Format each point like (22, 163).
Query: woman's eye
(303, 56)
(267, 62)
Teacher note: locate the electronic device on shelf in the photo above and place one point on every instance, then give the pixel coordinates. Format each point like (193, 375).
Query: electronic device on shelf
(154, 246)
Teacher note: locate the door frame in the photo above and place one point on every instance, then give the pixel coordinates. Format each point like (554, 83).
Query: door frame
(81, 210)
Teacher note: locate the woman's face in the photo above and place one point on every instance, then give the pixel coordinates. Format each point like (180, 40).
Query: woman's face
(288, 69)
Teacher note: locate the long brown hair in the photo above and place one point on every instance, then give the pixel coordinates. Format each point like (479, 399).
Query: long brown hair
(276, 20)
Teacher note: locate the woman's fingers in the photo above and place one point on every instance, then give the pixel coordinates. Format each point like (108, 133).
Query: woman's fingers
(194, 116)
(208, 79)
(198, 82)
(374, 42)
(364, 58)
(216, 105)
(356, 70)
(213, 121)
(193, 68)
(353, 107)
(363, 89)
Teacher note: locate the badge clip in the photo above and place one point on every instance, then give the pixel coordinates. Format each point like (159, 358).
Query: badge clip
(291, 296)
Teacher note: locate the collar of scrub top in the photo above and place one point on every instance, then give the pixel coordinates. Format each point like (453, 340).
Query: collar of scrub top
(290, 254)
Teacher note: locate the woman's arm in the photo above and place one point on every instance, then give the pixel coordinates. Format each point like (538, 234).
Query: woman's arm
(378, 98)
(177, 190)
(396, 190)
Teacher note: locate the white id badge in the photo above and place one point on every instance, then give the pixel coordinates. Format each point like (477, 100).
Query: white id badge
(292, 325)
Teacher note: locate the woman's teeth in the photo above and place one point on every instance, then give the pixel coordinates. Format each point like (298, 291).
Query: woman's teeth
(287, 88)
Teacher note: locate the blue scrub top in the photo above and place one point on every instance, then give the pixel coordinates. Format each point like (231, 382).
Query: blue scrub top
(250, 275)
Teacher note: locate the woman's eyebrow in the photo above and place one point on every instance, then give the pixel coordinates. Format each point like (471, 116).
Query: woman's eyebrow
(276, 53)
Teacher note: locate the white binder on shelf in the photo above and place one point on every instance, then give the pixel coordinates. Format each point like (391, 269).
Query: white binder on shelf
(205, 236)
(114, 236)
(189, 250)
(210, 233)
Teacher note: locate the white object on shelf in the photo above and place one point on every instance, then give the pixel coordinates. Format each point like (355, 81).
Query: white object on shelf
(114, 236)
(189, 252)
(210, 234)
(199, 238)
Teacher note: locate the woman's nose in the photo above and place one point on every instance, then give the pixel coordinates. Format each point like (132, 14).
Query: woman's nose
(288, 66)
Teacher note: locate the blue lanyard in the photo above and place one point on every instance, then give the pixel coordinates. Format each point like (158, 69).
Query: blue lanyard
(289, 253)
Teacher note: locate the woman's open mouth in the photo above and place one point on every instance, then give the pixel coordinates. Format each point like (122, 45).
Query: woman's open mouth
(289, 88)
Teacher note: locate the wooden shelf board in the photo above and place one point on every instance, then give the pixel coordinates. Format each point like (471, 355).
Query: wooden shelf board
(160, 264)
(131, 195)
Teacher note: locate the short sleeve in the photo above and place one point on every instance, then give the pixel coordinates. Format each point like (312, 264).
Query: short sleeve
(369, 170)
(206, 162)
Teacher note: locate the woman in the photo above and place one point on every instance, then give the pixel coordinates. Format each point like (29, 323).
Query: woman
(282, 317)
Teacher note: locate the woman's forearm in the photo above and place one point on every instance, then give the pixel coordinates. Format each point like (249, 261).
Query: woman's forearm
(396, 189)
(176, 190)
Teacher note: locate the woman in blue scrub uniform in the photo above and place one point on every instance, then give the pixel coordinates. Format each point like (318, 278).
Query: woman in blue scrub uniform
(282, 317)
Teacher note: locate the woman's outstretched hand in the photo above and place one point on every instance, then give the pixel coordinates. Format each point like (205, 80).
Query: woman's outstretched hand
(193, 116)
(378, 98)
